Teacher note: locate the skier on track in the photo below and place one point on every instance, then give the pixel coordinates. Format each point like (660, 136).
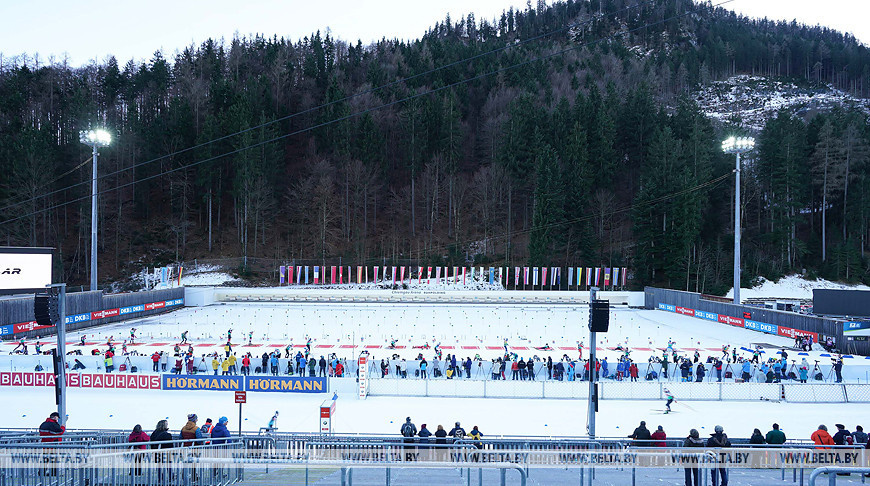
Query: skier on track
(82, 340)
(38, 348)
(725, 349)
(438, 350)
(273, 422)
(671, 344)
(393, 342)
(287, 350)
(184, 337)
(230, 334)
(132, 335)
(308, 346)
(250, 337)
(580, 349)
(505, 346)
(20, 345)
(671, 400)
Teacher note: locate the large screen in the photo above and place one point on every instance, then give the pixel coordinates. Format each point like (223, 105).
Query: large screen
(24, 270)
(829, 302)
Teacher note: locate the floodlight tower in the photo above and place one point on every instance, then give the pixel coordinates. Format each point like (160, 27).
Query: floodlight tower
(737, 146)
(95, 138)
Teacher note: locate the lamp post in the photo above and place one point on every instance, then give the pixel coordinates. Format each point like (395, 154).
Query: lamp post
(95, 138)
(737, 146)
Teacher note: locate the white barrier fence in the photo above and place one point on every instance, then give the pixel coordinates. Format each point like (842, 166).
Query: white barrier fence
(789, 392)
(199, 296)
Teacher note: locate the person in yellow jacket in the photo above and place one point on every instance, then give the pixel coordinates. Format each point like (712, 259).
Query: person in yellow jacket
(109, 363)
(232, 363)
(215, 364)
(225, 366)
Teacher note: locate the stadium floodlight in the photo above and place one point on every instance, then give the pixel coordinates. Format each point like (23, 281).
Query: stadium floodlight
(95, 138)
(737, 146)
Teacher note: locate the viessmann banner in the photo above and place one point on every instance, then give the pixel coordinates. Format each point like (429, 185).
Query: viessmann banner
(748, 323)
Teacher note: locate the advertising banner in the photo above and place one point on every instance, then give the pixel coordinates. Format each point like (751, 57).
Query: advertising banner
(286, 384)
(856, 328)
(203, 382)
(82, 380)
(760, 326)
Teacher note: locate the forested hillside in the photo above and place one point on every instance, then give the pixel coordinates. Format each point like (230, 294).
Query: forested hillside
(562, 134)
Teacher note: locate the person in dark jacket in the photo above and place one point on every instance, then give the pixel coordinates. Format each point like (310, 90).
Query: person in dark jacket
(50, 430)
(775, 436)
(641, 434)
(756, 437)
(424, 433)
(693, 440)
(161, 434)
(859, 435)
(843, 436)
(700, 372)
(719, 439)
(441, 443)
(220, 431)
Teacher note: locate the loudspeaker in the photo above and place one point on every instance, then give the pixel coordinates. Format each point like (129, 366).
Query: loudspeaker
(599, 315)
(45, 309)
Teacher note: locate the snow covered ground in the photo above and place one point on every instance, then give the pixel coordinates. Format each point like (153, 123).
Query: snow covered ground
(467, 329)
(464, 329)
(791, 287)
(211, 278)
(27, 407)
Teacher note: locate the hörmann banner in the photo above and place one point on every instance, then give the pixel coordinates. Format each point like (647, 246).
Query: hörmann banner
(285, 384)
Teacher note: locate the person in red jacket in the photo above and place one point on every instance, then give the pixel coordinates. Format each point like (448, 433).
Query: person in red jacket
(659, 437)
(135, 437)
(632, 370)
(246, 364)
(155, 358)
(50, 430)
(821, 437)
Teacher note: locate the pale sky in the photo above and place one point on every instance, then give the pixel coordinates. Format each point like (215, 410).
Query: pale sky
(87, 30)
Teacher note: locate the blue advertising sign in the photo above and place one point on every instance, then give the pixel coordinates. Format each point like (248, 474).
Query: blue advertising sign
(170, 303)
(760, 326)
(4, 330)
(132, 309)
(668, 307)
(856, 328)
(78, 318)
(205, 382)
(287, 384)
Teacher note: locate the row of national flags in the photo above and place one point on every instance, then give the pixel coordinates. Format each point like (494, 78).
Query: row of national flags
(509, 277)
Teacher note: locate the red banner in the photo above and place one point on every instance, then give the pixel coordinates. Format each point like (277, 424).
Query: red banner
(108, 313)
(685, 311)
(792, 333)
(27, 326)
(82, 380)
(155, 305)
(734, 321)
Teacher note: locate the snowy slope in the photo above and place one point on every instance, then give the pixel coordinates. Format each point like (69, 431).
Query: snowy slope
(791, 287)
(754, 99)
